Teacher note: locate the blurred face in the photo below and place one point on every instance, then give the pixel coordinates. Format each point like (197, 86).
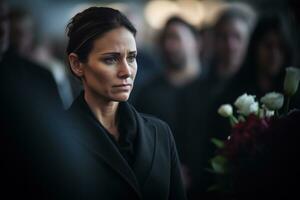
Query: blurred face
(111, 67)
(270, 54)
(22, 35)
(4, 27)
(179, 41)
(231, 43)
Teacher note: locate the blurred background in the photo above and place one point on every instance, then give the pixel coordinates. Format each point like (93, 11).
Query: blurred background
(44, 22)
(193, 55)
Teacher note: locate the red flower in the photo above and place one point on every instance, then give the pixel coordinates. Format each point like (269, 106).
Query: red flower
(246, 137)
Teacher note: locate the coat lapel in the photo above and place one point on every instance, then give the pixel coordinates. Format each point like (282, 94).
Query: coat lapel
(99, 143)
(146, 146)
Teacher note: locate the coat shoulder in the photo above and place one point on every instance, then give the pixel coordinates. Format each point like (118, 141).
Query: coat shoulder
(162, 128)
(148, 118)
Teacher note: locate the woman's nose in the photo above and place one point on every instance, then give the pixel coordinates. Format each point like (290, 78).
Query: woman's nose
(124, 70)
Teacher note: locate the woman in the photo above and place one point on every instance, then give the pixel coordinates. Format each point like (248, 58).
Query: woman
(270, 52)
(124, 154)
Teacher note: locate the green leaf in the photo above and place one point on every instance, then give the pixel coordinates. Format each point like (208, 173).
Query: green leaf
(218, 143)
(219, 164)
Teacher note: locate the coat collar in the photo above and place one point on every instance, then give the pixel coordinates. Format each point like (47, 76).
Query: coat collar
(146, 148)
(97, 142)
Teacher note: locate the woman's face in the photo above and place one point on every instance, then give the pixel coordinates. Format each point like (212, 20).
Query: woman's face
(270, 54)
(231, 43)
(111, 66)
(178, 44)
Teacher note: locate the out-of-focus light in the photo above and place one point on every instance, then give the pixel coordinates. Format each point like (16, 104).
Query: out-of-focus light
(192, 11)
(122, 7)
(157, 12)
(195, 12)
(212, 10)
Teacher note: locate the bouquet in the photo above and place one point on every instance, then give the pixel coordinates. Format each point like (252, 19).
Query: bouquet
(244, 162)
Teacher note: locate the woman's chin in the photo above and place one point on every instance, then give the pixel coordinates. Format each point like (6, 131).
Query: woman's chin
(121, 98)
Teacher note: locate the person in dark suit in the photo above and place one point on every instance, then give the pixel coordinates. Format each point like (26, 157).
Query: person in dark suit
(123, 154)
(29, 108)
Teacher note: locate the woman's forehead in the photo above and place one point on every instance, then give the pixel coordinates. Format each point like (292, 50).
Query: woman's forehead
(119, 39)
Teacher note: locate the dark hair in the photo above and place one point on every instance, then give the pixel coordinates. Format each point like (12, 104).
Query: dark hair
(91, 23)
(176, 20)
(236, 12)
(272, 22)
(266, 23)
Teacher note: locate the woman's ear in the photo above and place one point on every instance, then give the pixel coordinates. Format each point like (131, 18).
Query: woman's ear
(76, 65)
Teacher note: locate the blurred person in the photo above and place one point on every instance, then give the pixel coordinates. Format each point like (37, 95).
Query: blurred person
(181, 65)
(23, 42)
(270, 52)
(179, 51)
(4, 28)
(162, 96)
(232, 30)
(21, 32)
(30, 114)
(14, 64)
(125, 154)
(230, 35)
(43, 54)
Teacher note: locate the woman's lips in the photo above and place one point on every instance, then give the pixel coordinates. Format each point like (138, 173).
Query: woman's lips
(123, 86)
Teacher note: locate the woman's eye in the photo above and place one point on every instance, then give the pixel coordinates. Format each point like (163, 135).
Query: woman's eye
(131, 59)
(110, 60)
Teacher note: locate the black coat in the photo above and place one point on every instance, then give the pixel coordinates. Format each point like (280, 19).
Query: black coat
(105, 174)
(29, 108)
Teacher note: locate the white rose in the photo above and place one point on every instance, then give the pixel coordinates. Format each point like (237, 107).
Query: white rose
(246, 104)
(273, 100)
(253, 108)
(291, 81)
(270, 113)
(225, 110)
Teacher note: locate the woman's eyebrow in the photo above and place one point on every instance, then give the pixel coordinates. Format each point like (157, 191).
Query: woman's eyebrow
(111, 53)
(118, 54)
(132, 53)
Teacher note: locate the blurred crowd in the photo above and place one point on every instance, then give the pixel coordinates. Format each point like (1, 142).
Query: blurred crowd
(182, 79)
(202, 68)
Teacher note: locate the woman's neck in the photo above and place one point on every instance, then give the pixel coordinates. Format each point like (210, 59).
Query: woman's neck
(105, 112)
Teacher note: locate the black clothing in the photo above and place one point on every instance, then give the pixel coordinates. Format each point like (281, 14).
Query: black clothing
(166, 101)
(127, 127)
(107, 170)
(48, 155)
(30, 107)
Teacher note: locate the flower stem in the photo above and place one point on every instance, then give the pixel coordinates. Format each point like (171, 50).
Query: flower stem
(287, 105)
(277, 113)
(233, 120)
